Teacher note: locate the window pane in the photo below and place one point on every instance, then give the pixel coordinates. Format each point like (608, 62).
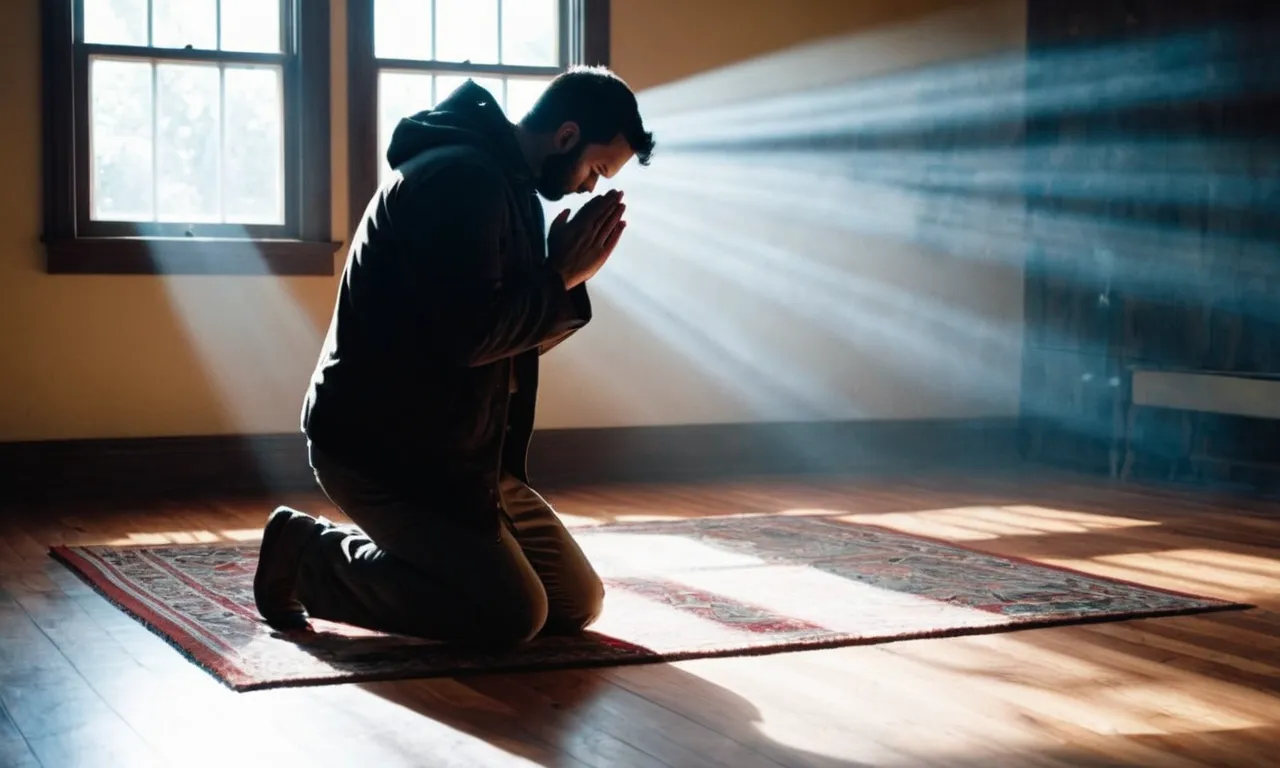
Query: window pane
(187, 143)
(179, 23)
(447, 84)
(402, 29)
(115, 22)
(251, 25)
(253, 147)
(120, 140)
(530, 32)
(400, 94)
(467, 30)
(522, 94)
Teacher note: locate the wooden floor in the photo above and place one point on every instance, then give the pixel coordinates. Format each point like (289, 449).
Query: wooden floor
(83, 685)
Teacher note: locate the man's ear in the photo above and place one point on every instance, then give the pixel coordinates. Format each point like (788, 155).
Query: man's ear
(567, 137)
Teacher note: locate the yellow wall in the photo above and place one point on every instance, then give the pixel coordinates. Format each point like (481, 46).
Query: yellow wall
(656, 42)
(115, 356)
(124, 356)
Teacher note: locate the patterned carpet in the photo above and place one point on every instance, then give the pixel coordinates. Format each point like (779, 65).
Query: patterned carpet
(675, 590)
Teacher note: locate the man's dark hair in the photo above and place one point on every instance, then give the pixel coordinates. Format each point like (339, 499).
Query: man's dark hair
(600, 103)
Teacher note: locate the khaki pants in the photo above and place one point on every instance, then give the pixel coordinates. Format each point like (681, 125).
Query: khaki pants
(403, 569)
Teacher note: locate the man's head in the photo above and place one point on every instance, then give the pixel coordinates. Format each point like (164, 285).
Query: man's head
(584, 126)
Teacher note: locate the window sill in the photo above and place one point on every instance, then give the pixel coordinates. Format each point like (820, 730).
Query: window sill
(188, 256)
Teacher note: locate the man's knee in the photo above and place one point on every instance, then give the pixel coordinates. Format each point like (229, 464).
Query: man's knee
(513, 616)
(592, 603)
(582, 606)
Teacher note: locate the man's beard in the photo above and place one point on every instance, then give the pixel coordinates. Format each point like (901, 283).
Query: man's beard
(557, 173)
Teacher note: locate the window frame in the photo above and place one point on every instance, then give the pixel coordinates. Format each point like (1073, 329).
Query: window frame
(74, 244)
(584, 39)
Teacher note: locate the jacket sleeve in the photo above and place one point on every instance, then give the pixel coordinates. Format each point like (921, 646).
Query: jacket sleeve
(473, 306)
(555, 341)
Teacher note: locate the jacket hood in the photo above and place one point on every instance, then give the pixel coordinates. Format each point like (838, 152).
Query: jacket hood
(470, 115)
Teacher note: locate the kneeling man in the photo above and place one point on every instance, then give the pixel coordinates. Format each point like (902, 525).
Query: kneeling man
(420, 410)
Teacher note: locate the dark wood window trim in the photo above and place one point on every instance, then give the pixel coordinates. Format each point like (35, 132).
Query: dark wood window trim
(303, 246)
(584, 40)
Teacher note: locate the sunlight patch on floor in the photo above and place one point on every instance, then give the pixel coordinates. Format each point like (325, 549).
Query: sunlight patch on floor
(1231, 561)
(985, 523)
(242, 534)
(1065, 671)
(1228, 575)
(864, 713)
(996, 695)
(803, 512)
(161, 538)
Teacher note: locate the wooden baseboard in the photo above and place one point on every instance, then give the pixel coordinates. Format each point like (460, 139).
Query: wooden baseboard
(255, 464)
(1215, 449)
(724, 450)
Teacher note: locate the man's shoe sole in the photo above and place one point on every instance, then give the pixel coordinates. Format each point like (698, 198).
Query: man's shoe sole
(284, 536)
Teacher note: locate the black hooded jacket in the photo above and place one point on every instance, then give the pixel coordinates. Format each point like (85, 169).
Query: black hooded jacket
(428, 376)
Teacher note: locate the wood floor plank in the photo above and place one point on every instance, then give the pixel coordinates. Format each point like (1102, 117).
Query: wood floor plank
(667, 735)
(606, 725)
(1087, 694)
(14, 750)
(83, 683)
(63, 720)
(482, 730)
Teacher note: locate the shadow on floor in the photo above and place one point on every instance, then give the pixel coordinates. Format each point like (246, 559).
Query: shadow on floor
(602, 717)
(627, 718)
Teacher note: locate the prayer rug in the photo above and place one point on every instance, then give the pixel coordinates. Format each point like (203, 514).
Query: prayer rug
(679, 589)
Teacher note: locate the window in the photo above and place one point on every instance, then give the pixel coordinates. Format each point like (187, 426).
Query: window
(408, 55)
(187, 136)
